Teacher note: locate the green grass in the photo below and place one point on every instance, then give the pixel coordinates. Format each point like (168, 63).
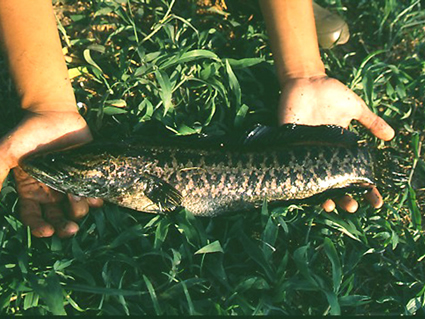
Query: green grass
(142, 62)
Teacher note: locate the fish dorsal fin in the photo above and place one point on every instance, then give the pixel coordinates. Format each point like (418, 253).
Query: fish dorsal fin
(296, 134)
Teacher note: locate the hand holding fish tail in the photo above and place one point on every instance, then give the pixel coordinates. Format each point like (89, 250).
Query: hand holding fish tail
(322, 100)
(308, 95)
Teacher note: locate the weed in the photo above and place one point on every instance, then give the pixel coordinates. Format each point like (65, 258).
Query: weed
(139, 61)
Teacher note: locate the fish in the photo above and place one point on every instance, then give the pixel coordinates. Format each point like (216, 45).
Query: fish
(208, 176)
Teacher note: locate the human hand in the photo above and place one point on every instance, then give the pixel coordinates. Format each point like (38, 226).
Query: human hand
(41, 208)
(322, 100)
(41, 131)
(47, 211)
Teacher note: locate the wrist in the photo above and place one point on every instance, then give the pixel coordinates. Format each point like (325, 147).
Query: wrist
(301, 69)
(49, 99)
(301, 75)
(60, 106)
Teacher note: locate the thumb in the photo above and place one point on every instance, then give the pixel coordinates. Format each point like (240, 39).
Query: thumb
(4, 171)
(376, 125)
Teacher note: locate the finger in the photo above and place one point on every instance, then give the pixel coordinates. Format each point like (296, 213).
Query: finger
(28, 187)
(54, 215)
(30, 214)
(374, 198)
(20, 174)
(328, 205)
(347, 203)
(376, 125)
(95, 202)
(78, 207)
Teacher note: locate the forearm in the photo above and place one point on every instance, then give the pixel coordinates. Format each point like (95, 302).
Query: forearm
(30, 38)
(293, 39)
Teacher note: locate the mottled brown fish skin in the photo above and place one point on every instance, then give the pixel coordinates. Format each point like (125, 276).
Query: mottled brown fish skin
(210, 181)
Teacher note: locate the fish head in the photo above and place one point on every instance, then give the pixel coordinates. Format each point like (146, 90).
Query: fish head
(77, 173)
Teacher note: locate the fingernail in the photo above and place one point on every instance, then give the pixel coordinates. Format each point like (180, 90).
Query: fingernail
(93, 201)
(42, 231)
(68, 229)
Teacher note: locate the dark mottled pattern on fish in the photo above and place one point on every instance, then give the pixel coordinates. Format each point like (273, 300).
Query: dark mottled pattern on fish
(205, 181)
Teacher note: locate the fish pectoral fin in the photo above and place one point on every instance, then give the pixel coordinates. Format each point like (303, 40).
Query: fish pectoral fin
(162, 194)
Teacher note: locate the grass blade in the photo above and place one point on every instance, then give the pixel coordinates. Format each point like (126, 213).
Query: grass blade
(336, 265)
(234, 85)
(214, 247)
(165, 90)
(154, 298)
(50, 292)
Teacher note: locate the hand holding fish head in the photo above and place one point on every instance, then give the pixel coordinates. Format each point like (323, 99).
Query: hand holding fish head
(41, 208)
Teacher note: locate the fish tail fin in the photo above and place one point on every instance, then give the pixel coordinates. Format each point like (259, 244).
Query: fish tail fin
(417, 181)
(390, 172)
(394, 173)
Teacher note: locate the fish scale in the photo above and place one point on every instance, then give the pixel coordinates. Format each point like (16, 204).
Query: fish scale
(207, 181)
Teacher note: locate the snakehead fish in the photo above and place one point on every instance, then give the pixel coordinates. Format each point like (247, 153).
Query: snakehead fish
(211, 177)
